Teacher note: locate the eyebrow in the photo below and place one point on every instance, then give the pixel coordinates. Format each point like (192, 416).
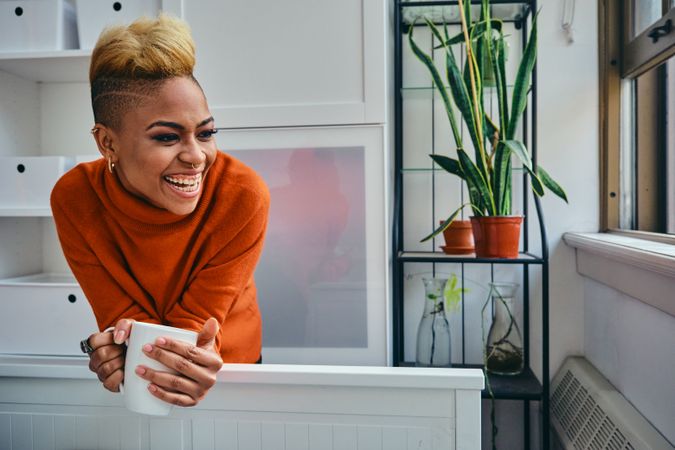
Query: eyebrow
(177, 126)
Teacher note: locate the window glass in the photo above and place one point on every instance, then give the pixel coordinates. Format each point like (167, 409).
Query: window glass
(627, 156)
(647, 163)
(645, 13)
(311, 278)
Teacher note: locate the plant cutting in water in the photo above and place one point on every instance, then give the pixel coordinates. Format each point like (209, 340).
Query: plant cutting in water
(502, 356)
(433, 334)
(452, 294)
(502, 345)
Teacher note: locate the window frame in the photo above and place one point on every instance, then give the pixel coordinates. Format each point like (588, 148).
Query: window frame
(621, 59)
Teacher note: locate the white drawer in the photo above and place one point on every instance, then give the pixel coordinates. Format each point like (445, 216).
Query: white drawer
(37, 25)
(43, 314)
(94, 15)
(27, 182)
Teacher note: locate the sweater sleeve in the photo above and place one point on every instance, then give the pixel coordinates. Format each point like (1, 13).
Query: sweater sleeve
(217, 287)
(109, 301)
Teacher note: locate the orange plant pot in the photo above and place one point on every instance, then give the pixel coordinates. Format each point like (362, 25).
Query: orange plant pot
(497, 236)
(458, 238)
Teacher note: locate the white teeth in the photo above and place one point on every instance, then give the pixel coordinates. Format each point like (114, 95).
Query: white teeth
(185, 184)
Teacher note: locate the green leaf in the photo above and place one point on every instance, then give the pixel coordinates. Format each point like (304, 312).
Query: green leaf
(520, 151)
(537, 185)
(474, 179)
(463, 100)
(448, 164)
(475, 32)
(500, 175)
(438, 81)
(452, 294)
(490, 130)
(502, 90)
(446, 223)
(522, 83)
(551, 184)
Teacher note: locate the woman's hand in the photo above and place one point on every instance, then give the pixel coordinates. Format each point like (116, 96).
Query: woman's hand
(107, 359)
(197, 367)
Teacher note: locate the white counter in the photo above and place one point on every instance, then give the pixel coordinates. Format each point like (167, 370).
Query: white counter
(58, 401)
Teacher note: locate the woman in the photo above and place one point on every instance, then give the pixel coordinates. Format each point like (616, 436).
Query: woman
(165, 229)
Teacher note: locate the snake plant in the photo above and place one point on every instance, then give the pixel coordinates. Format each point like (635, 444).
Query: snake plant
(488, 174)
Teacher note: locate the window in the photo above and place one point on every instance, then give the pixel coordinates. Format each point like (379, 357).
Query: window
(637, 88)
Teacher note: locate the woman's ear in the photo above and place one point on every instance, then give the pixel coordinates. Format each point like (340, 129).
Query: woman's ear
(106, 141)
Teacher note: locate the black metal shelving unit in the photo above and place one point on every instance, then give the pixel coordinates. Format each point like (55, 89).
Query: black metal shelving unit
(525, 387)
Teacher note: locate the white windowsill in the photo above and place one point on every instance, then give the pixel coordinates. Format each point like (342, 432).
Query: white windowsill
(640, 268)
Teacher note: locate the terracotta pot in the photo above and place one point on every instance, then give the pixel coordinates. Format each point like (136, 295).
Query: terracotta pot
(458, 238)
(497, 236)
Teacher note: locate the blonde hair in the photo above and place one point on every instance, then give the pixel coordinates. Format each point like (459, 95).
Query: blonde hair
(129, 62)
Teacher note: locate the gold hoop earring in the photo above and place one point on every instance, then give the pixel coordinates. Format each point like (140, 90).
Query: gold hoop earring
(111, 165)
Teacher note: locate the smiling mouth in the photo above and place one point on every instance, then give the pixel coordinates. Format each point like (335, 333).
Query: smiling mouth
(184, 183)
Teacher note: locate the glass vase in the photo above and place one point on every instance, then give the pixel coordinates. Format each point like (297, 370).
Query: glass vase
(504, 343)
(433, 333)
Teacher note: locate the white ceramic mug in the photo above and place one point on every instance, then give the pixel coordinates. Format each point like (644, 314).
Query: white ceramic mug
(137, 397)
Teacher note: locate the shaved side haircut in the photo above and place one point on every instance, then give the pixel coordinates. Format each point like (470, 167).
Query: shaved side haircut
(130, 63)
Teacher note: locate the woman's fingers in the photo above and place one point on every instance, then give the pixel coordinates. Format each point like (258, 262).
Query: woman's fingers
(107, 369)
(175, 398)
(97, 340)
(122, 330)
(173, 384)
(112, 383)
(194, 369)
(206, 338)
(200, 356)
(104, 354)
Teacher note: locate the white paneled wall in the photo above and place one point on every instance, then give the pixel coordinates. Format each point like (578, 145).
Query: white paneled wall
(75, 432)
(55, 403)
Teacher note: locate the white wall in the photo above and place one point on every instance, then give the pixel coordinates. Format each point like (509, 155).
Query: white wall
(568, 133)
(633, 345)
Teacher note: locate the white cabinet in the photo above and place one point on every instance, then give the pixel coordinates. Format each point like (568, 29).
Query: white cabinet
(45, 314)
(26, 183)
(296, 62)
(281, 78)
(265, 63)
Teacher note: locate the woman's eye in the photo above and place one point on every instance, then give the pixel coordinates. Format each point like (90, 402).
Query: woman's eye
(206, 134)
(166, 137)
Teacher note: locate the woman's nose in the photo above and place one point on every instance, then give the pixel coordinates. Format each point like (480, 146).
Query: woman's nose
(193, 153)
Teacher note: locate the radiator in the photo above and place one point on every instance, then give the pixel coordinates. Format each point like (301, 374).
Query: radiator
(587, 412)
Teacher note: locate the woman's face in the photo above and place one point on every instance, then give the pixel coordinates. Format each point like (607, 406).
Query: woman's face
(165, 147)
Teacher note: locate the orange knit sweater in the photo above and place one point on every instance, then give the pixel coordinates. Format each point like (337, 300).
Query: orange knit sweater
(134, 260)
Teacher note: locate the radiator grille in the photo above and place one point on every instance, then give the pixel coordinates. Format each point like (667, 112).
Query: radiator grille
(579, 419)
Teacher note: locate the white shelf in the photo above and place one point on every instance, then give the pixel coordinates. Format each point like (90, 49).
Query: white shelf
(42, 279)
(51, 66)
(25, 212)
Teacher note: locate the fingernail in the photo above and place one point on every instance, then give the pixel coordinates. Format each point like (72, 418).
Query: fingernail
(119, 337)
(161, 341)
(140, 370)
(152, 388)
(147, 348)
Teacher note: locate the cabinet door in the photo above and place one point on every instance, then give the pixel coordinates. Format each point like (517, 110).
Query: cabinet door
(297, 62)
(44, 319)
(321, 277)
